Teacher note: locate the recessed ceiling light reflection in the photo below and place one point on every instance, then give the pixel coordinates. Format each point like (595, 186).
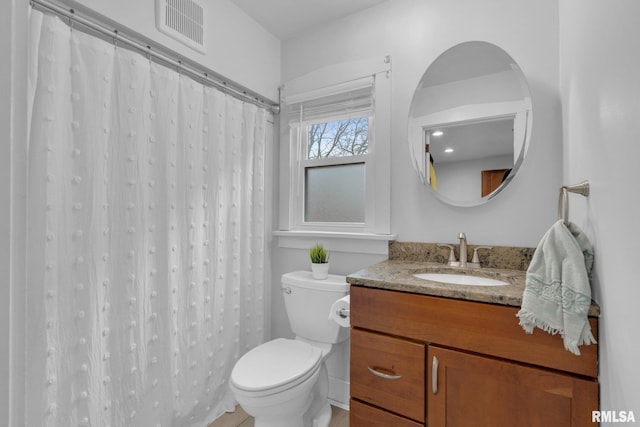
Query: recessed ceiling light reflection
(448, 150)
(437, 133)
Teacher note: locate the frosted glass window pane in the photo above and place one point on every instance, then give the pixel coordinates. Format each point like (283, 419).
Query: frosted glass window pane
(335, 193)
(349, 137)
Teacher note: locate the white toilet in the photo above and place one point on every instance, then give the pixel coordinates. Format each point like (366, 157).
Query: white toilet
(284, 382)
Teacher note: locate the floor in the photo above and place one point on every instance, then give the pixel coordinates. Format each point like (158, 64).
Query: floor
(239, 418)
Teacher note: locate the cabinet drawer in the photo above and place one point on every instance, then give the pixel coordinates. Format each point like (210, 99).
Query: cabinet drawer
(363, 415)
(388, 372)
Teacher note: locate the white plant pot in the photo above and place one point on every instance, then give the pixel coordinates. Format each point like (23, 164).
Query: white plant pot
(320, 271)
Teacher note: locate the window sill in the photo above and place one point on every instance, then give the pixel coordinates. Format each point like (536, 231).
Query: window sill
(364, 243)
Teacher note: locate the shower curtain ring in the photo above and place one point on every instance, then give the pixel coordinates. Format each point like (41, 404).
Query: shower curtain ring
(71, 12)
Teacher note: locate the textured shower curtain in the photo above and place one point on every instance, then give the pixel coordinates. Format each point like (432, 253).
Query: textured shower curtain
(146, 261)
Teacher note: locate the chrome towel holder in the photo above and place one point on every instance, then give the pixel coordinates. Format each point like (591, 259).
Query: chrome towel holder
(563, 199)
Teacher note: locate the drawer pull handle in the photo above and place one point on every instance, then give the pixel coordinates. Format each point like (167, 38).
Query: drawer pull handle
(388, 375)
(434, 375)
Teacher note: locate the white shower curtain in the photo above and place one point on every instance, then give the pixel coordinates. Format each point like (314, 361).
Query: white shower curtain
(146, 237)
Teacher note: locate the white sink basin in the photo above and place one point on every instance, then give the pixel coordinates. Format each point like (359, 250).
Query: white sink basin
(460, 279)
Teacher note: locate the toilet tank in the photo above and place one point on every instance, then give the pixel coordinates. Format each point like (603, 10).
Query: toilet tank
(308, 302)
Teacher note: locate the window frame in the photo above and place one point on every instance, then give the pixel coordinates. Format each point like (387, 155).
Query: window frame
(293, 153)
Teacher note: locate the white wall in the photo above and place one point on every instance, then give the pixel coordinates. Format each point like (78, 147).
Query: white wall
(600, 86)
(238, 48)
(496, 87)
(12, 210)
(415, 33)
(5, 216)
(463, 180)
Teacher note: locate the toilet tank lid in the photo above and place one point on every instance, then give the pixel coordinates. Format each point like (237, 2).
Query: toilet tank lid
(304, 279)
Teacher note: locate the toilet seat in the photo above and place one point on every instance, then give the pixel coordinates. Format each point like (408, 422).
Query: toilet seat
(275, 366)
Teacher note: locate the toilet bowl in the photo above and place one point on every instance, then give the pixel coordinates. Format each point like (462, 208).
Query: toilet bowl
(284, 382)
(275, 382)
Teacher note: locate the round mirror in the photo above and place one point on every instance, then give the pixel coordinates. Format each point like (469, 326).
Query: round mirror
(470, 123)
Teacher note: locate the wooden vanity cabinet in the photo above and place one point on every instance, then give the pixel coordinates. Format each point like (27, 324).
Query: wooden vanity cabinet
(460, 364)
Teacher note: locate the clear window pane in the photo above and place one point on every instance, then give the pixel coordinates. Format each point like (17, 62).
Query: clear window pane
(335, 193)
(339, 138)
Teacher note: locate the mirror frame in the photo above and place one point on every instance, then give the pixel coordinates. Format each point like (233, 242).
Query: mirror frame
(462, 115)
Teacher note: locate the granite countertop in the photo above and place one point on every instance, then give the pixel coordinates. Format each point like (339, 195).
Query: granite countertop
(397, 275)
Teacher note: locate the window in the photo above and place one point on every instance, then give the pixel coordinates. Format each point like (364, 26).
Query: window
(331, 135)
(340, 138)
(336, 159)
(335, 141)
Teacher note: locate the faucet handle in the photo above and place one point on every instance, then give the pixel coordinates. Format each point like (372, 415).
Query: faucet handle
(475, 259)
(452, 255)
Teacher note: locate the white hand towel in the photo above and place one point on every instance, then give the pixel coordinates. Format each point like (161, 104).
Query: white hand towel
(557, 293)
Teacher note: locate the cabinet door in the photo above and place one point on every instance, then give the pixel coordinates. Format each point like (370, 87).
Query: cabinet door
(491, 179)
(469, 390)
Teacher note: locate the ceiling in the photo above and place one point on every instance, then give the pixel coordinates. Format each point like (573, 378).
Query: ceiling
(475, 140)
(288, 18)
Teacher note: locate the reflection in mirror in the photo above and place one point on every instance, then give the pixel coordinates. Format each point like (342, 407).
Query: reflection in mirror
(469, 123)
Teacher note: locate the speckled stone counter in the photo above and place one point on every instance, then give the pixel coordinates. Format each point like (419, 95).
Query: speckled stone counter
(505, 257)
(397, 275)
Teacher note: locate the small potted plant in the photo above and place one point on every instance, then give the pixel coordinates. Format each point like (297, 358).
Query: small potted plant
(319, 262)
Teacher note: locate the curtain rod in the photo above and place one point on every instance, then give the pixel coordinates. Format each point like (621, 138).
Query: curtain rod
(194, 70)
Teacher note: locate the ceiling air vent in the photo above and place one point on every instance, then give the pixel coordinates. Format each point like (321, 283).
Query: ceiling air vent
(183, 20)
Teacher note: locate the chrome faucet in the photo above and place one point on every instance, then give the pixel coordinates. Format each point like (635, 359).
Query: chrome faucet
(475, 262)
(463, 249)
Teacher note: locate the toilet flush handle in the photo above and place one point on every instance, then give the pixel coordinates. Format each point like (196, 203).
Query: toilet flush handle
(286, 290)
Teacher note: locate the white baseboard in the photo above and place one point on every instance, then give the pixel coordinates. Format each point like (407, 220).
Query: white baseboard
(339, 393)
(339, 404)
